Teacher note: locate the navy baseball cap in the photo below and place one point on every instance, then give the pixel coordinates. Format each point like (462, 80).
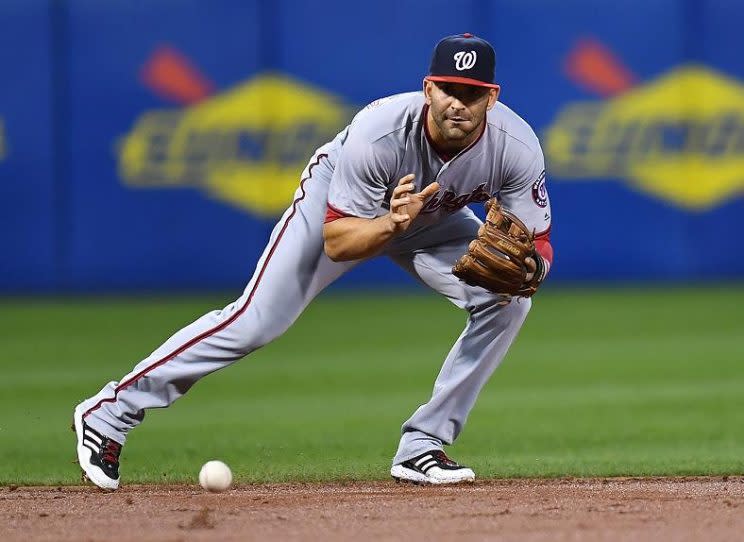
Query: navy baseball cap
(463, 58)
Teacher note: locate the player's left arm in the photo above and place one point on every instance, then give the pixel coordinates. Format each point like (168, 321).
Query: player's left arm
(524, 192)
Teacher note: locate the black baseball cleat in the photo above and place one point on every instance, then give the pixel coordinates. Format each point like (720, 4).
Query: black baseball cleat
(97, 454)
(432, 467)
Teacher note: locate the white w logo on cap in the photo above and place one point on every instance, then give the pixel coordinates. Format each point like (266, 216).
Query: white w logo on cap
(465, 61)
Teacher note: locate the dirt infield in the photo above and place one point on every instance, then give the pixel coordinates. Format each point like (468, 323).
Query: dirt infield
(567, 509)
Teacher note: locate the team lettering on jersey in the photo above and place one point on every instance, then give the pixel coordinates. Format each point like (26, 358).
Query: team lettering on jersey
(450, 202)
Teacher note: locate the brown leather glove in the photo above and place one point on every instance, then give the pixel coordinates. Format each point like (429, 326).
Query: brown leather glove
(495, 260)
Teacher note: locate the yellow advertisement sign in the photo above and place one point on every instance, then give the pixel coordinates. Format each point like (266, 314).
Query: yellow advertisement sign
(246, 146)
(679, 137)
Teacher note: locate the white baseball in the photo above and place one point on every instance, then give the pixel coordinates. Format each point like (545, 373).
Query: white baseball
(215, 476)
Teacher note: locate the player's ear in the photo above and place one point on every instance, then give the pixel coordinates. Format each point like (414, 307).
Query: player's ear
(493, 96)
(427, 91)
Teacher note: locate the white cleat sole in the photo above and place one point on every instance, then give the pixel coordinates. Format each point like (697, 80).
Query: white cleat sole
(402, 474)
(437, 476)
(90, 471)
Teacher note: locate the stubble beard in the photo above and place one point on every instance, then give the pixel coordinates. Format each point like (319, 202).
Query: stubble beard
(455, 134)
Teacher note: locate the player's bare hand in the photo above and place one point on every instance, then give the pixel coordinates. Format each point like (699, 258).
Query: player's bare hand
(531, 268)
(405, 205)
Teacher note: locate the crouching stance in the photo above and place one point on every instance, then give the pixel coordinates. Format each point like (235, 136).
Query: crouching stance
(396, 182)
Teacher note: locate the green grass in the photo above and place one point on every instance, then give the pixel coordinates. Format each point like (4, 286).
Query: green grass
(600, 382)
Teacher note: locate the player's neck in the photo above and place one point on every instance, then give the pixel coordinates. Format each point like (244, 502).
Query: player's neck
(448, 148)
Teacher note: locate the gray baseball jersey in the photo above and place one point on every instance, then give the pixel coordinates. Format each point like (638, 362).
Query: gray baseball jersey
(388, 140)
(355, 175)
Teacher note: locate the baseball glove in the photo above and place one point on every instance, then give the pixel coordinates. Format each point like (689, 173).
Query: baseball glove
(495, 260)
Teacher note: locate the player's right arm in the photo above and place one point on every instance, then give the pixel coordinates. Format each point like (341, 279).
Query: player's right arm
(360, 222)
(353, 238)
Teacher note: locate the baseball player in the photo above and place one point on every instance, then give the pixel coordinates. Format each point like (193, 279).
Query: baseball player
(395, 182)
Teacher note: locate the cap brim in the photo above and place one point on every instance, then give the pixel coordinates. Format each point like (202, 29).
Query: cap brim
(461, 80)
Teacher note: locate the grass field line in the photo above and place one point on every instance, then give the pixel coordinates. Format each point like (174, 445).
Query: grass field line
(617, 391)
(537, 390)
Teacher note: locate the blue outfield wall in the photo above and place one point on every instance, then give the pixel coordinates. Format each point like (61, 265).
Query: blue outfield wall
(28, 194)
(152, 145)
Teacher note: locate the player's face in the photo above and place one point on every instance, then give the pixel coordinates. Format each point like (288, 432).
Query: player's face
(458, 110)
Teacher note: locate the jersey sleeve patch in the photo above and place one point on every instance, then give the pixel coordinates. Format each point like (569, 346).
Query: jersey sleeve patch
(539, 192)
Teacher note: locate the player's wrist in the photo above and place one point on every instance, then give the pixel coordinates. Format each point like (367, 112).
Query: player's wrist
(542, 268)
(389, 226)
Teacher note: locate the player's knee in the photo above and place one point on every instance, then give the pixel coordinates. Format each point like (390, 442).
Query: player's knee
(247, 337)
(485, 300)
(521, 306)
(489, 302)
(250, 343)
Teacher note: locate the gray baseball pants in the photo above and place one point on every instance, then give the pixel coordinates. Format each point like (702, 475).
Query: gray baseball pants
(292, 270)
